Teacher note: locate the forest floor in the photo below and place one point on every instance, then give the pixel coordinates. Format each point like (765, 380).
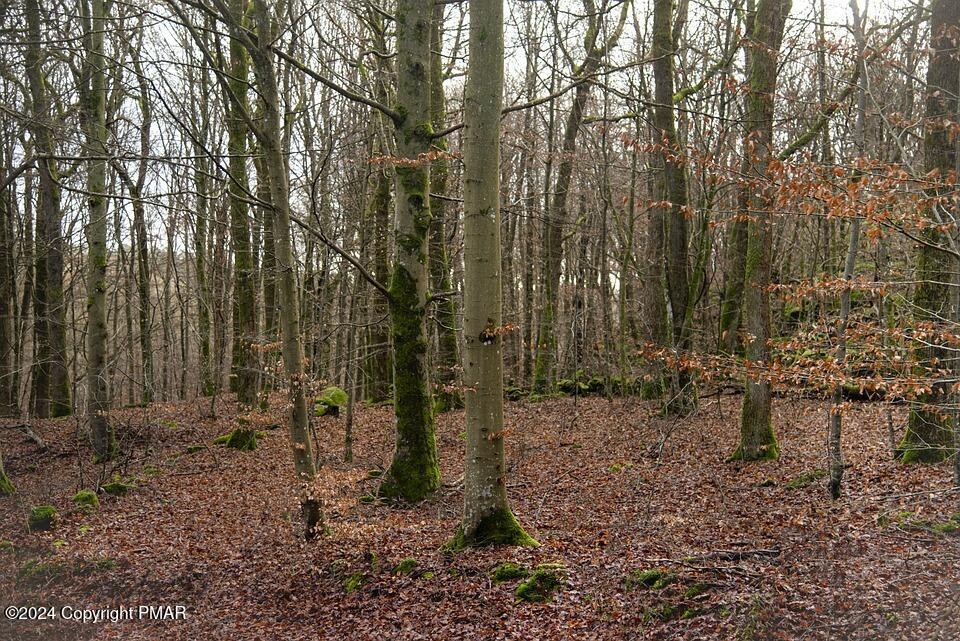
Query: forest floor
(609, 488)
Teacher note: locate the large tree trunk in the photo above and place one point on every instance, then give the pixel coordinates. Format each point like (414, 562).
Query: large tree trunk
(272, 148)
(414, 472)
(672, 188)
(487, 518)
(929, 435)
(51, 385)
(757, 440)
(95, 116)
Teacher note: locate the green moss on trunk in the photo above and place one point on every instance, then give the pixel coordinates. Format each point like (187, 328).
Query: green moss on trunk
(928, 439)
(499, 528)
(6, 486)
(414, 472)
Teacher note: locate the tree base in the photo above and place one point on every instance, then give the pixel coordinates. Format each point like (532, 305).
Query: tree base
(928, 439)
(769, 451)
(311, 511)
(499, 528)
(409, 480)
(910, 454)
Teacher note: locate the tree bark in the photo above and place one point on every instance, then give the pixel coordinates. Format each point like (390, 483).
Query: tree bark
(487, 518)
(447, 397)
(51, 384)
(95, 120)
(414, 472)
(269, 135)
(929, 435)
(757, 440)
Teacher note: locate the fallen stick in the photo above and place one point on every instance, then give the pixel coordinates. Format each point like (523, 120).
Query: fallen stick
(31, 435)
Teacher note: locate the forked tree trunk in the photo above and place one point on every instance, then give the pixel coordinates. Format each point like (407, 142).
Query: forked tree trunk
(269, 135)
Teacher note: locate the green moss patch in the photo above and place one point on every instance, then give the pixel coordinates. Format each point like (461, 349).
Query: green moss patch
(806, 478)
(542, 583)
(498, 528)
(652, 579)
(508, 571)
(86, 500)
(405, 566)
(118, 487)
(354, 582)
(193, 449)
(6, 486)
(42, 518)
(243, 439)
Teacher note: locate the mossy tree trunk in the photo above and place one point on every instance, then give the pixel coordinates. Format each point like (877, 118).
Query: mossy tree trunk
(6, 485)
(757, 440)
(731, 300)
(672, 188)
(51, 384)
(271, 144)
(245, 362)
(447, 357)
(487, 518)
(929, 435)
(94, 97)
(413, 473)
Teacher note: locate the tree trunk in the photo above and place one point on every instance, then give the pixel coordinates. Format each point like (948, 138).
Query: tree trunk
(447, 396)
(414, 472)
(757, 440)
(51, 385)
(929, 435)
(271, 146)
(245, 362)
(682, 397)
(487, 518)
(95, 116)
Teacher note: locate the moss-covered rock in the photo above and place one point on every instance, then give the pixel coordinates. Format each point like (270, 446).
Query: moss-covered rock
(541, 584)
(42, 518)
(119, 487)
(806, 478)
(508, 571)
(330, 401)
(86, 500)
(242, 438)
